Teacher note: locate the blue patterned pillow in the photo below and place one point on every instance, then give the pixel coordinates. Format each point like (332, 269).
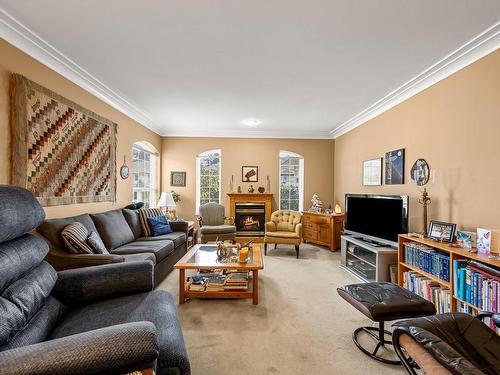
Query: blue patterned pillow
(159, 225)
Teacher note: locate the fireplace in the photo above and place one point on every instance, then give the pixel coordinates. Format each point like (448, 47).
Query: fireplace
(250, 218)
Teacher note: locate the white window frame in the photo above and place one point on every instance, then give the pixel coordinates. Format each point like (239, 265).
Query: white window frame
(282, 154)
(153, 163)
(198, 177)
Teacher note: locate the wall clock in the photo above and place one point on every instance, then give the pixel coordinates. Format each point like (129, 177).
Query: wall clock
(124, 170)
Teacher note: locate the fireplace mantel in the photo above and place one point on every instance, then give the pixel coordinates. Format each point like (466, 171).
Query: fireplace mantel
(266, 198)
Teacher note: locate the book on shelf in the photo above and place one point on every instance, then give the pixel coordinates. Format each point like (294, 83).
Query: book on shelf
(427, 259)
(477, 287)
(428, 289)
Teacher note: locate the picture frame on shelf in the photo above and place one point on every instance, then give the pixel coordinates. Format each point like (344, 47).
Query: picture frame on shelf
(484, 237)
(249, 173)
(177, 178)
(372, 172)
(466, 239)
(441, 231)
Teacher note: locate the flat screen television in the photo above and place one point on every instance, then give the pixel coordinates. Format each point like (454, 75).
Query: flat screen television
(379, 218)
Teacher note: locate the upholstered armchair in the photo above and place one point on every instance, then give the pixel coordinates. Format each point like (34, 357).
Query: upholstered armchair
(451, 343)
(95, 320)
(285, 227)
(213, 224)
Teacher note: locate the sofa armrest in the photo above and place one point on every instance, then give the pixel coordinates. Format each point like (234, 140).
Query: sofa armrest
(179, 226)
(116, 349)
(298, 229)
(270, 226)
(83, 285)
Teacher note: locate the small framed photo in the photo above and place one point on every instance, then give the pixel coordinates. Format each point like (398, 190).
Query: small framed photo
(466, 239)
(372, 172)
(177, 178)
(484, 241)
(441, 231)
(249, 174)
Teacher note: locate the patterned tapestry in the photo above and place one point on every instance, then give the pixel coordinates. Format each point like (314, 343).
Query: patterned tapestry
(61, 152)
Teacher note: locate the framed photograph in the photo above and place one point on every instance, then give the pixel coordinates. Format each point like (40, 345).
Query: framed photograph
(249, 174)
(441, 231)
(395, 167)
(372, 172)
(177, 178)
(466, 239)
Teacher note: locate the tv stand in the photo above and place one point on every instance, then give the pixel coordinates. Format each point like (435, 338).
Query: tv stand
(367, 260)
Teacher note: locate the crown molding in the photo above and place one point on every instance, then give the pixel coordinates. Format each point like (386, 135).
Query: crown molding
(284, 134)
(20, 36)
(480, 46)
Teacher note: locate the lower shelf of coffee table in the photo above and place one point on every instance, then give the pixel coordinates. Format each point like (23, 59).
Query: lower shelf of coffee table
(221, 294)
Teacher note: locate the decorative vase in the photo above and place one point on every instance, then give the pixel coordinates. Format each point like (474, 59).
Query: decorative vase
(231, 184)
(239, 189)
(261, 189)
(268, 184)
(251, 189)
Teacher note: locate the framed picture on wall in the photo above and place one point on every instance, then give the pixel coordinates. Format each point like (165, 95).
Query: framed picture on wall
(249, 174)
(372, 172)
(395, 167)
(177, 178)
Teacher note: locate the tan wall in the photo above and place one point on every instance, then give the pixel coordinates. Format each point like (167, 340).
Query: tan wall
(13, 60)
(455, 126)
(179, 154)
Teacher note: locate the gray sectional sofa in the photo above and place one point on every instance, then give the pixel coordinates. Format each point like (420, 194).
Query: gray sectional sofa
(105, 319)
(121, 232)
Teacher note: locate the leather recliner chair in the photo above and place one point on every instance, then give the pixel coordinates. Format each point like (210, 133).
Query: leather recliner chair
(95, 320)
(451, 343)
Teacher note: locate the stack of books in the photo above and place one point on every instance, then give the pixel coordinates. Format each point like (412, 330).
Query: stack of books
(237, 280)
(428, 289)
(428, 260)
(216, 283)
(478, 285)
(197, 283)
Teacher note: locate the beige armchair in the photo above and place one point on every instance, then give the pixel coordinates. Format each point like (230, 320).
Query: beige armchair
(285, 227)
(213, 225)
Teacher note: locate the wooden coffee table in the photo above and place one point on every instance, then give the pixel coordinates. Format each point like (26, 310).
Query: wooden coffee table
(200, 257)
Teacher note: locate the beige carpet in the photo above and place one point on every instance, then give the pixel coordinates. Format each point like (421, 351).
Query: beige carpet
(301, 325)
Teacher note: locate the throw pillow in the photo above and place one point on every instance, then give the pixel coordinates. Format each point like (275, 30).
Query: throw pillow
(95, 242)
(159, 225)
(75, 236)
(144, 214)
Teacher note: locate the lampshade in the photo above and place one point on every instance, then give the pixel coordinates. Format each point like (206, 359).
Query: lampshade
(166, 200)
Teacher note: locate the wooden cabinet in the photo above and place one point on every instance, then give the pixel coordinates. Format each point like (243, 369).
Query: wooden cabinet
(322, 229)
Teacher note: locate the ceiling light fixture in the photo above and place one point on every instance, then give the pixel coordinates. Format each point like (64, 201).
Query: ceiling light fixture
(251, 122)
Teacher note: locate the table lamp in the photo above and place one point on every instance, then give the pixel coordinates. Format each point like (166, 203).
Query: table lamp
(167, 200)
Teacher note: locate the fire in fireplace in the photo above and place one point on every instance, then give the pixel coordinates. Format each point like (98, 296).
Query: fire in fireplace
(250, 218)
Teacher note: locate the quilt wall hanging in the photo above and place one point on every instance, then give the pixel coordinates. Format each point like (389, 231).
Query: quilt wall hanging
(61, 152)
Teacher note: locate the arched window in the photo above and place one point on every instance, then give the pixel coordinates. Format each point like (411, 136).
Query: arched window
(291, 181)
(144, 159)
(208, 170)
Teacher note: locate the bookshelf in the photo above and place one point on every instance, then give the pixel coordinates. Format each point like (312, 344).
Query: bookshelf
(455, 253)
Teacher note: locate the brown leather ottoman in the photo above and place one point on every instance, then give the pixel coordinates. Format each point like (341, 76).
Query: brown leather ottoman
(383, 302)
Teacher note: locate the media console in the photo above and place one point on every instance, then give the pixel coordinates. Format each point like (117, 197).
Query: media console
(367, 260)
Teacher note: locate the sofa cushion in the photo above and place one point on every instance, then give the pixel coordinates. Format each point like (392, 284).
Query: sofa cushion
(113, 228)
(208, 229)
(140, 257)
(161, 249)
(95, 242)
(178, 237)
(51, 229)
(20, 212)
(144, 214)
(159, 225)
(156, 307)
(133, 221)
(75, 238)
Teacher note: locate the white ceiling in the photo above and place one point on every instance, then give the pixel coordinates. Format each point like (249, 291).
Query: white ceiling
(305, 68)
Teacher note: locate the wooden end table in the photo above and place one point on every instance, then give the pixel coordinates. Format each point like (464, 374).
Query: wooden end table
(204, 256)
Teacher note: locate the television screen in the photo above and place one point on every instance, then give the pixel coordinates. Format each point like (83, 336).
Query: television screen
(380, 216)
